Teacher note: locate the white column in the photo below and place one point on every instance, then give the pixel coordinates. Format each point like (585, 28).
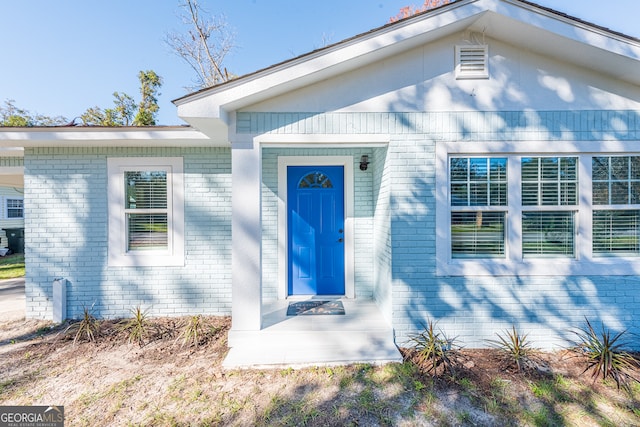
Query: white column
(246, 293)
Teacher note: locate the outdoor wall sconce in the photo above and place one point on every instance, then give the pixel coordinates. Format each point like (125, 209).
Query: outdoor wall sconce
(364, 162)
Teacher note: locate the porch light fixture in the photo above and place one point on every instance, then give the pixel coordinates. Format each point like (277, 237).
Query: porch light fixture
(364, 162)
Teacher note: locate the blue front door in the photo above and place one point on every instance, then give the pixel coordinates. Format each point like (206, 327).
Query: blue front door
(315, 200)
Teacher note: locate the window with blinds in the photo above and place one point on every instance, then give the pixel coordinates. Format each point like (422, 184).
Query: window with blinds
(549, 181)
(15, 208)
(478, 186)
(548, 234)
(615, 181)
(537, 214)
(616, 232)
(146, 210)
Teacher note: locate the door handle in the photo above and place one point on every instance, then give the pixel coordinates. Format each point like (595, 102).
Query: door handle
(340, 240)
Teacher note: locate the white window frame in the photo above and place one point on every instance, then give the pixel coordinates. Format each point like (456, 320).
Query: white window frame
(584, 263)
(6, 208)
(118, 254)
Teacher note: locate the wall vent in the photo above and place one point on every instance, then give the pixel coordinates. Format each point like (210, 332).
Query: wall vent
(472, 62)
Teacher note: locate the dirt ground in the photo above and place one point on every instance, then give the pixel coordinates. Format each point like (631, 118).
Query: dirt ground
(168, 380)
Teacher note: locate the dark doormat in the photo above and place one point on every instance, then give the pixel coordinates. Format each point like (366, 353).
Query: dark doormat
(309, 308)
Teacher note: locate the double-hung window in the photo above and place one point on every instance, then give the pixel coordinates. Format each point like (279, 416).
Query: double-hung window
(145, 211)
(14, 208)
(616, 205)
(549, 198)
(478, 196)
(560, 211)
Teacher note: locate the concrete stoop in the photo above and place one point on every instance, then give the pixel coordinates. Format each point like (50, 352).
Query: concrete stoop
(310, 348)
(360, 336)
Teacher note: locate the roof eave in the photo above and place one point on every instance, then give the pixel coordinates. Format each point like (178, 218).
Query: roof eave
(20, 137)
(212, 106)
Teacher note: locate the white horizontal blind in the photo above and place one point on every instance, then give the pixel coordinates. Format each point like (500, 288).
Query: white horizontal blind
(146, 209)
(549, 181)
(477, 234)
(548, 234)
(616, 232)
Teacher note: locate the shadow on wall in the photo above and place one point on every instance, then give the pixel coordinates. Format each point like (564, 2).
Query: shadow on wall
(71, 241)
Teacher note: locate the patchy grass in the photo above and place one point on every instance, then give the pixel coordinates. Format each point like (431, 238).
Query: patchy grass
(165, 383)
(12, 266)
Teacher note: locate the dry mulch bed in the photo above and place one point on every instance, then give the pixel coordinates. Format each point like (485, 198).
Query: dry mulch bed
(166, 381)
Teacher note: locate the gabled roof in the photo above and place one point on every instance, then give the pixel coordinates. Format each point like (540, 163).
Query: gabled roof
(518, 22)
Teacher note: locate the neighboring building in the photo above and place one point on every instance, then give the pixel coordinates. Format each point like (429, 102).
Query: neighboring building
(477, 165)
(11, 199)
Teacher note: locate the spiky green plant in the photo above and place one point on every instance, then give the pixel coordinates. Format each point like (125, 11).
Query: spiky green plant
(433, 349)
(193, 331)
(87, 328)
(516, 349)
(138, 327)
(605, 354)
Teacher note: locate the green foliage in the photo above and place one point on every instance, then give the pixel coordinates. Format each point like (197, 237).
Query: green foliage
(13, 116)
(138, 327)
(193, 332)
(125, 112)
(12, 266)
(87, 328)
(435, 351)
(150, 83)
(516, 349)
(605, 354)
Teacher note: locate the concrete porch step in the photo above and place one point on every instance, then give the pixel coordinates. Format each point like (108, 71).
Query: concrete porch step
(360, 336)
(319, 348)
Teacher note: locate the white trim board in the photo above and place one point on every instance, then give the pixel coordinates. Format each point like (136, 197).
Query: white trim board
(347, 163)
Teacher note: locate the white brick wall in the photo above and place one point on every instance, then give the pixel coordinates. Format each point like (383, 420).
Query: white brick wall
(394, 224)
(67, 217)
(473, 309)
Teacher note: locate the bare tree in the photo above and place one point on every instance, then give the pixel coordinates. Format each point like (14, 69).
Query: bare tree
(204, 46)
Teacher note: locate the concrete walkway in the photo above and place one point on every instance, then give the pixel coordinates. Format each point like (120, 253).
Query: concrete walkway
(12, 300)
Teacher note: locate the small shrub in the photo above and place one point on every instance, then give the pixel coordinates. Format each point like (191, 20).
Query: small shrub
(605, 354)
(516, 350)
(87, 328)
(138, 328)
(193, 332)
(435, 351)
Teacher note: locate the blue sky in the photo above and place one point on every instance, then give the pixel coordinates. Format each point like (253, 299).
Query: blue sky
(62, 57)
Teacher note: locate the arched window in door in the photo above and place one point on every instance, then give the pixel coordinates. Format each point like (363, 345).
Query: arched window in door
(315, 180)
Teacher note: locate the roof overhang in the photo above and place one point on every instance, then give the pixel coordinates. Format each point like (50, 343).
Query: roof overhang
(160, 136)
(521, 23)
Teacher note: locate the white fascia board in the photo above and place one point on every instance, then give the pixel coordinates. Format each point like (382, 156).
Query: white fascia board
(105, 137)
(567, 27)
(11, 152)
(558, 36)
